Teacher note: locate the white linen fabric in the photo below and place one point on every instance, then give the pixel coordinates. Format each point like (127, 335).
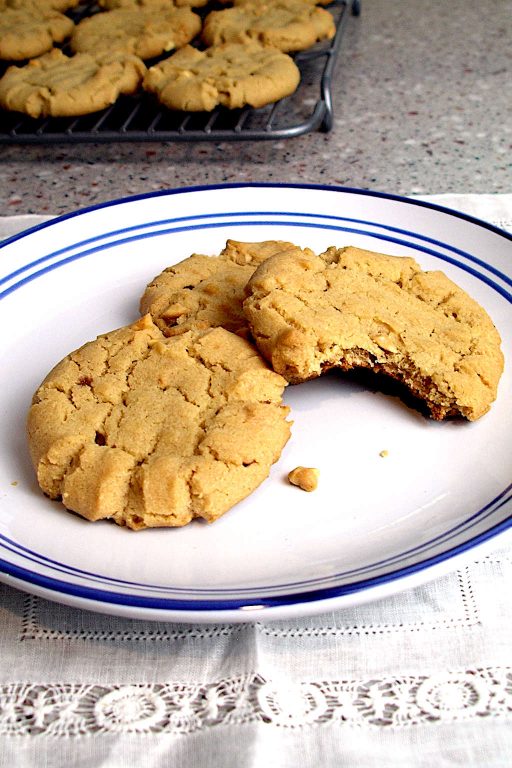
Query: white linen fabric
(421, 678)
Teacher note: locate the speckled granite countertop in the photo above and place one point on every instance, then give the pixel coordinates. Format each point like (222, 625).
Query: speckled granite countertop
(422, 102)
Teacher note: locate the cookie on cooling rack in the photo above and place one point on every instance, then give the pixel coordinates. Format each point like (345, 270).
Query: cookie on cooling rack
(56, 5)
(232, 75)
(350, 308)
(56, 85)
(288, 26)
(139, 31)
(30, 30)
(281, 2)
(111, 4)
(208, 291)
(152, 431)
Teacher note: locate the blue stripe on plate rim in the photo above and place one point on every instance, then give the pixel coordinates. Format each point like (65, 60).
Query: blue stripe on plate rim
(308, 590)
(242, 214)
(443, 538)
(223, 222)
(263, 185)
(205, 605)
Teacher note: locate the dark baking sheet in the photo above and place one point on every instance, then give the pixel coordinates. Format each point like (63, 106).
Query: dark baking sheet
(141, 118)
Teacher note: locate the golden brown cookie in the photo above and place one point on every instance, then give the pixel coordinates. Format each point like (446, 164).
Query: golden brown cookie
(207, 291)
(57, 85)
(284, 25)
(60, 5)
(151, 431)
(26, 31)
(139, 31)
(281, 2)
(56, 5)
(111, 4)
(231, 75)
(350, 308)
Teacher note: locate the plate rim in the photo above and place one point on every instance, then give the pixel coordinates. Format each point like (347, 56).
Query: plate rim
(183, 608)
(255, 185)
(209, 606)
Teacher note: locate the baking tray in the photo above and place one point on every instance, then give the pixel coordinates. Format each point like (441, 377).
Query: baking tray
(140, 117)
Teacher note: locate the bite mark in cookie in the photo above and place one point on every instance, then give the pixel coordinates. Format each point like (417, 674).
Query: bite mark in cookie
(351, 308)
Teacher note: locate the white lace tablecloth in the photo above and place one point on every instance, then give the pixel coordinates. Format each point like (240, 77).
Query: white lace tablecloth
(420, 679)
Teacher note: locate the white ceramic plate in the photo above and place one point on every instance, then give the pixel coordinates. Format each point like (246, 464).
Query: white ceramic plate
(375, 524)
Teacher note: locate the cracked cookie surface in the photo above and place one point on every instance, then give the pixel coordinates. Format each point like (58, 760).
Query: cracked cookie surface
(110, 5)
(207, 291)
(351, 308)
(153, 431)
(231, 75)
(28, 31)
(54, 5)
(144, 32)
(57, 85)
(288, 26)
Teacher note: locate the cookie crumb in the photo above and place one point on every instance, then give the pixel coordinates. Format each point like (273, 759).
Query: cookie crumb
(384, 453)
(304, 477)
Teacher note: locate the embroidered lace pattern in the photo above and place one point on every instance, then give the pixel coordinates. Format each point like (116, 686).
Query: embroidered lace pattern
(78, 710)
(42, 622)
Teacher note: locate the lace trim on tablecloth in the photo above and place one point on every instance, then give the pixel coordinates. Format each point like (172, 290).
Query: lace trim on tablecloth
(68, 710)
(35, 625)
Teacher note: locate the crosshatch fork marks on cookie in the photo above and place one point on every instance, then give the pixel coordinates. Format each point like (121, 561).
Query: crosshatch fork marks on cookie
(140, 118)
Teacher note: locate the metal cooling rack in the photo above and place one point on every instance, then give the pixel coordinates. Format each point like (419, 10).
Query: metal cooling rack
(140, 117)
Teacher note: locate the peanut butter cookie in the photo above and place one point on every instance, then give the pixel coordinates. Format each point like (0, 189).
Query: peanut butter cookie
(26, 31)
(207, 291)
(288, 26)
(139, 31)
(281, 2)
(56, 5)
(351, 308)
(231, 75)
(57, 85)
(111, 4)
(150, 431)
